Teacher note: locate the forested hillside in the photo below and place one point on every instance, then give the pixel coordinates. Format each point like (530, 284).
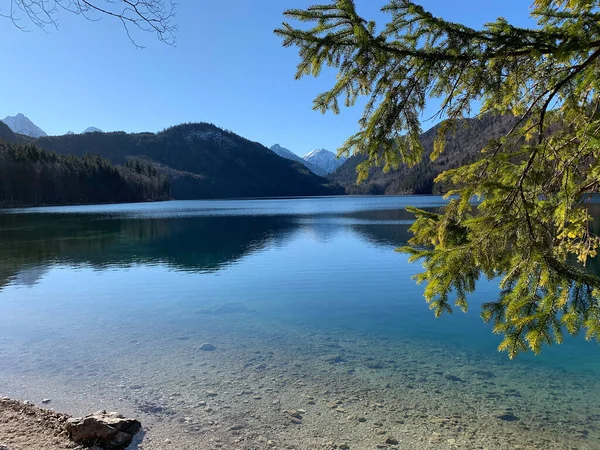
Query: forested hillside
(6, 134)
(201, 161)
(31, 176)
(462, 147)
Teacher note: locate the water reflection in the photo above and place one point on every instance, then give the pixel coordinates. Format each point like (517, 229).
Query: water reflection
(280, 287)
(30, 243)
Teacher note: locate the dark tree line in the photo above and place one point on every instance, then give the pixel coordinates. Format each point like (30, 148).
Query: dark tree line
(32, 176)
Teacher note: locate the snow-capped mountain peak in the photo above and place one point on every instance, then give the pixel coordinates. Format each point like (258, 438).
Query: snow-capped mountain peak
(22, 125)
(288, 154)
(92, 130)
(324, 159)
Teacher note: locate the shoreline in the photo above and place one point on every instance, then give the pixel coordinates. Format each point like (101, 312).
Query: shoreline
(24, 426)
(290, 197)
(4, 207)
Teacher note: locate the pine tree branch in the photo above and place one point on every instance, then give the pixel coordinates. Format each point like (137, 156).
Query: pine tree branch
(577, 70)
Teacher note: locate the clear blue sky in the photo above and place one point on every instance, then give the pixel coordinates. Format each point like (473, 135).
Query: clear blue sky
(227, 68)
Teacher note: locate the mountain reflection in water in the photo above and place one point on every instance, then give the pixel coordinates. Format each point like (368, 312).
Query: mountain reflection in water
(201, 242)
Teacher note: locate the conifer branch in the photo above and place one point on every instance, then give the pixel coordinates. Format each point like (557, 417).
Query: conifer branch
(532, 220)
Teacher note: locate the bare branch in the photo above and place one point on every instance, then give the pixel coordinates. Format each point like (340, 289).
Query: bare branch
(155, 16)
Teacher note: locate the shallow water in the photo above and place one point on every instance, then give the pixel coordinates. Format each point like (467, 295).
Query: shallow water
(109, 304)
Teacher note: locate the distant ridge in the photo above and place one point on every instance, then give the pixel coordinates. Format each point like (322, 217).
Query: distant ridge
(201, 160)
(288, 154)
(21, 124)
(92, 130)
(324, 159)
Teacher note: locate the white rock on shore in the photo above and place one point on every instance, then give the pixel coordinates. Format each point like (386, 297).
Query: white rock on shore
(109, 429)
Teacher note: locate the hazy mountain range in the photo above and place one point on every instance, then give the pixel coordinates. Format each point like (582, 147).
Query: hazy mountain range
(21, 124)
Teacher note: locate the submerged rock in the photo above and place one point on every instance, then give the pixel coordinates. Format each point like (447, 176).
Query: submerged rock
(454, 378)
(108, 429)
(375, 365)
(208, 347)
(508, 416)
(333, 359)
(295, 414)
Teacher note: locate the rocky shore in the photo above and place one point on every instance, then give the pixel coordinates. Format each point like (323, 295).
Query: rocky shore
(24, 426)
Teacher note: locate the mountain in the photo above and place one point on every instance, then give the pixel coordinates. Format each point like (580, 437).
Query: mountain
(462, 147)
(92, 130)
(285, 153)
(288, 154)
(324, 159)
(201, 161)
(22, 125)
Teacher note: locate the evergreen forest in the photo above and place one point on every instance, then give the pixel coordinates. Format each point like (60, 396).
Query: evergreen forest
(30, 176)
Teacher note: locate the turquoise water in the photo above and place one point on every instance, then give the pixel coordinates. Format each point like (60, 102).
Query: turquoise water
(91, 296)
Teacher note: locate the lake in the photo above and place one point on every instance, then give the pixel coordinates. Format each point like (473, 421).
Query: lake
(314, 317)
